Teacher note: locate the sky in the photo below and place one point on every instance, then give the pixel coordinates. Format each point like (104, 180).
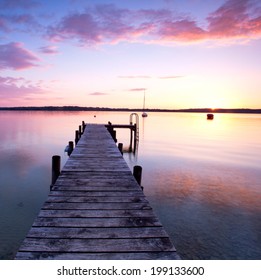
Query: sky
(97, 53)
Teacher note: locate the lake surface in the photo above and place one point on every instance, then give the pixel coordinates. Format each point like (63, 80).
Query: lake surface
(202, 177)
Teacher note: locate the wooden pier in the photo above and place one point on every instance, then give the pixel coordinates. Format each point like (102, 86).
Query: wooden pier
(96, 210)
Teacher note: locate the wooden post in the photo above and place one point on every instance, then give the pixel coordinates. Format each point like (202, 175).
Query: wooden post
(80, 130)
(83, 126)
(114, 135)
(120, 146)
(76, 136)
(110, 128)
(137, 173)
(131, 137)
(56, 169)
(135, 138)
(70, 148)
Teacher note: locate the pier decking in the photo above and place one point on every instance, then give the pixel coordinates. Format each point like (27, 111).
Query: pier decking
(96, 210)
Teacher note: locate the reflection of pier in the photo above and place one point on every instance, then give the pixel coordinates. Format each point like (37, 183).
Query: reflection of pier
(134, 131)
(96, 209)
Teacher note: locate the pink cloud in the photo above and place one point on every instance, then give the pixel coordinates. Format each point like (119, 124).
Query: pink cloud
(19, 87)
(109, 24)
(103, 24)
(181, 30)
(233, 19)
(79, 26)
(15, 56)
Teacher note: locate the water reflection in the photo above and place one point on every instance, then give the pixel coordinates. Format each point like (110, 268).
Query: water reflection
(201, 177)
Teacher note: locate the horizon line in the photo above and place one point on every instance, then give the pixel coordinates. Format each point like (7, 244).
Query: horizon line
(85, 108)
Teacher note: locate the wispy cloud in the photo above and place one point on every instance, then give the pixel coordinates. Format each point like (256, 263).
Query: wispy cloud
(22, 22)
(49, 50)
(170, 77)
(15, 56)
(149, 77)
(110, 24)
(137, 89)
(98, 93)
(3, 25)
(134, 77)
(19, 87)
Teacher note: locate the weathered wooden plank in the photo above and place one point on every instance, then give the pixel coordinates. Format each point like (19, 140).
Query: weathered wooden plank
(108, 180)
(98, 206)
(90, 193)
(67, 187)
(97, 245)
(169, 255)
(96, 199)
(94, 213)
(74, 174)
(112, 233)
(97, 222)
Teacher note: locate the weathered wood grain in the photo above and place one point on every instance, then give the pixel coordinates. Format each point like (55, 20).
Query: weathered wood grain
(99, 200)
(96, 233)
(97, 222)
(79, 205)
(94, 193)
(97, 245)
(94, 213)
(163, 255)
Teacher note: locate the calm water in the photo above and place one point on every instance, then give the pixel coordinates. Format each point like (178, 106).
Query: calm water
(202, 178)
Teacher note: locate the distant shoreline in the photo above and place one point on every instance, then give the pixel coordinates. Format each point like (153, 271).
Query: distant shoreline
(79, 108)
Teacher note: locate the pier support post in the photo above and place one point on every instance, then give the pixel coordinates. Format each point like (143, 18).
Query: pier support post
(120, 146)
(80, 130)
(131, 140)
(56, 169)
(135, 138)
(76, 136)
(70, 148)
(137, 173)
(83, 126)
(113, 134)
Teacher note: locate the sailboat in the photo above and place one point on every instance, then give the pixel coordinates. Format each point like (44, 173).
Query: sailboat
(144, 114)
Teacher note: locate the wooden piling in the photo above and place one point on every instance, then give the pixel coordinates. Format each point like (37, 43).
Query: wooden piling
(113, 134)
(83, 126)
(70, 148)
(76, 136)
(120, 146)
(56, 168)
(131, 140)
(137, 173)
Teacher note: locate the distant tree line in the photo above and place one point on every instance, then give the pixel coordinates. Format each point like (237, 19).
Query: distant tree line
(79, 108)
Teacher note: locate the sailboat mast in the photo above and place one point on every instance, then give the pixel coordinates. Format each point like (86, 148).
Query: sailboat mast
(144, 100)
(144, 114)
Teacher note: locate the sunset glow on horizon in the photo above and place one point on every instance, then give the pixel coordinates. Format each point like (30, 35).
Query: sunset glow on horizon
(184, 54)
